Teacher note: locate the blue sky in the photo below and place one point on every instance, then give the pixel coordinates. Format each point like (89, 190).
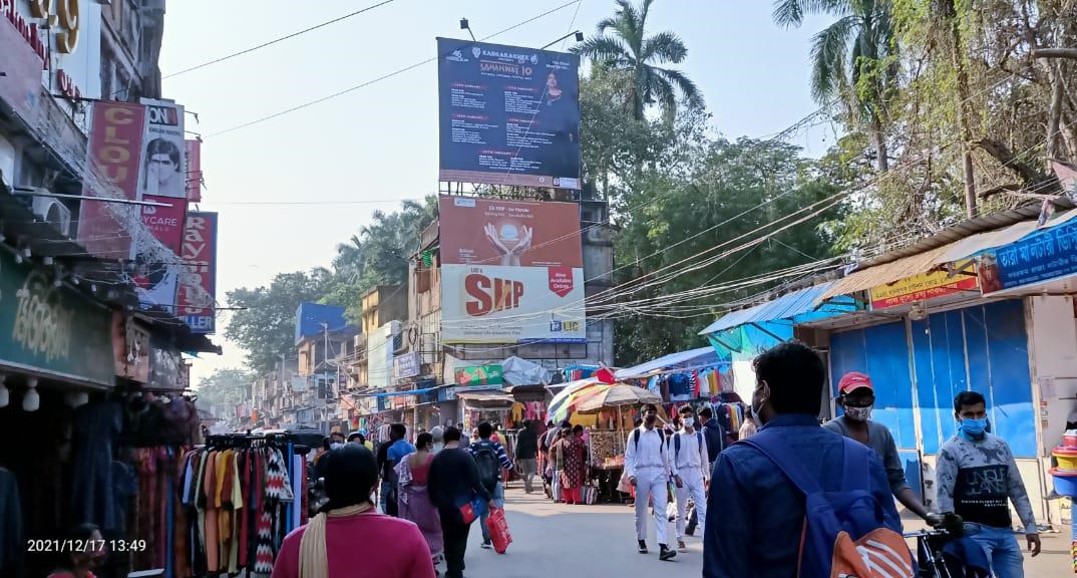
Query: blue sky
(378, 145)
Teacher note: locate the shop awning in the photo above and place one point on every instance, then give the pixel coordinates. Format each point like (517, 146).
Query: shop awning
(695, 358)
(887, 272)
(488, 397)
(396, 393)
(787, 307)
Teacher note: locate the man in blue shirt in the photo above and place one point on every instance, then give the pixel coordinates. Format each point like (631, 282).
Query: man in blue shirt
(758, 513)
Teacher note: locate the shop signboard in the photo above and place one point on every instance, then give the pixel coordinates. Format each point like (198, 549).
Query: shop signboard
(508, 115)
(20, 86)
(1045, 255)
(925, 286)
(168, 372)
(198, 288)
(157, 281)
(131, 348)
(113, 170)
(52, 330)
(479, 375)
(446, 394)
(407, 365)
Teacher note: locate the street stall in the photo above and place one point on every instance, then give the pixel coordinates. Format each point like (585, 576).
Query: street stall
(613, 407)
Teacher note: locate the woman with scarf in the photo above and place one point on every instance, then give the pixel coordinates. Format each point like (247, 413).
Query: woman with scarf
(569, 455)
(349, 539)
(414, 500)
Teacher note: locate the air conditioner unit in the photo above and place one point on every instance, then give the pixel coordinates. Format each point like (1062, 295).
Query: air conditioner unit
(53, 212)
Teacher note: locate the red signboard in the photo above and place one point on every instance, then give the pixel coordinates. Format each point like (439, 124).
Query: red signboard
(199, 253)
(476, 231)
(114, 153)
(166, 223)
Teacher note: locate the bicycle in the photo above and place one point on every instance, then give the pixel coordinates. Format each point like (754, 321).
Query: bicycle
(929, 553)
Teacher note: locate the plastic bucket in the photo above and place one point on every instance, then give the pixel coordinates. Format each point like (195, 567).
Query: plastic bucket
(1065, 483)
(1067, 458)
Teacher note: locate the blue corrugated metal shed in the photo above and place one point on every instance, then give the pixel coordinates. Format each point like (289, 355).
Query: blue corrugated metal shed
(309, 318)
(798, 306)
(703, 356)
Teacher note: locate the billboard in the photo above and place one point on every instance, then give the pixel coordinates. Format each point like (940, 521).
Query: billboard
(508, 115)
(157, 282)
(1046, 255)
(114, 152)
(496, 304)
(476, 231)
(164, 159)
(199, 254)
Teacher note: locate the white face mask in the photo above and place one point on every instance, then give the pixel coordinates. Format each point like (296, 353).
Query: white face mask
(858, 413)
(689, 421)
(336, 446)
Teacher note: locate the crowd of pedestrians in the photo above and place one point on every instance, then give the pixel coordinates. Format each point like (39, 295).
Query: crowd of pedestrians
(793, 496)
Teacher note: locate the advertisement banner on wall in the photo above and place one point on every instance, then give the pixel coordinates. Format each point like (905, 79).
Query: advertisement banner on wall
(164, 159)
(508, 115)
(1046, 255)
(476, 231)
(197, 301)
(512, 304)
(20, 86)
(114, 153)
(407, 365)
(925, 286)
(157, 282)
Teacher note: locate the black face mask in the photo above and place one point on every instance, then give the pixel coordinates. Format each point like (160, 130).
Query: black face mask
(651, 419)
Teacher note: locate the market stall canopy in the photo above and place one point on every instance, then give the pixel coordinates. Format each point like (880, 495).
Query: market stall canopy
(563, 403)
(797, 306)
(886, 273)
(694, 358)
(487, 398)
(619, 395)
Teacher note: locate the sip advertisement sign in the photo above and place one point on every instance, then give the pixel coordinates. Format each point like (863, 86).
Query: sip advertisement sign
(512, 304)
(508, 115)
(512, 271)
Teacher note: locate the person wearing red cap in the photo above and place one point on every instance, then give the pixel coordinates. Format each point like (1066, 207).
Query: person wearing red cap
(857, 399)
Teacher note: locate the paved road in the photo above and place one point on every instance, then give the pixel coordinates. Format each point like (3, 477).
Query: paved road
(559, 541)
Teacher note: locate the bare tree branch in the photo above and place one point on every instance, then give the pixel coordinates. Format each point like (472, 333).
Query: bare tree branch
(1069, 53)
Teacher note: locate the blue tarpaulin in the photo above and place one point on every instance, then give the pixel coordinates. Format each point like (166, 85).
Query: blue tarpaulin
(787, 310)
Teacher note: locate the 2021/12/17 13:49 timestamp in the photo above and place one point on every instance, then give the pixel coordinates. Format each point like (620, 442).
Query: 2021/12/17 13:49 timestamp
(85, 546)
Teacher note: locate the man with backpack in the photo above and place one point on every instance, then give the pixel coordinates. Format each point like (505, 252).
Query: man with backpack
(796, 499)
(491, 458)
(689, 471)
(647, 467)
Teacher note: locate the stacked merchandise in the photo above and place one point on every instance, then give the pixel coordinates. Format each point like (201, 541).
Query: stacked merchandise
(240, 495)
(1065, 477)
(607, 449)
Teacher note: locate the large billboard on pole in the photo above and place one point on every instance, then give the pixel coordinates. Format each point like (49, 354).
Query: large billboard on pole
(512, 271)
(508, 115)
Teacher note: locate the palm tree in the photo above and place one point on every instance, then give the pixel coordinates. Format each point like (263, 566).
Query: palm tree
(851, 59)
(631, 51)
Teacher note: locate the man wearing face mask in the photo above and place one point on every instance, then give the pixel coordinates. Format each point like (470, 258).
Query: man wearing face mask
(647, 468)
(750, 492)
(691, 473)
(977, 476)
(857, 400)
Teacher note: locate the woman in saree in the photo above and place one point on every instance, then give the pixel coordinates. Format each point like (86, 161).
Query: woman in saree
(414, 498)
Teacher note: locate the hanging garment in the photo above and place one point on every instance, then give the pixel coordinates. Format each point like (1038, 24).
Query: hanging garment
(11, 538)
(94, 427)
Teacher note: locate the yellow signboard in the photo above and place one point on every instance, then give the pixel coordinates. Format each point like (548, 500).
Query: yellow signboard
(925, 286)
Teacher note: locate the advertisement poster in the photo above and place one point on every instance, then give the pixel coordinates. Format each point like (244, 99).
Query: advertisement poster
(199, 254)
(925, 286)
(1042, 256)
(20, 86)
(477, 231)
(508, 115)
(157, 282)
(114, 152)
(164, 158)
(479, 375)
(494, 304)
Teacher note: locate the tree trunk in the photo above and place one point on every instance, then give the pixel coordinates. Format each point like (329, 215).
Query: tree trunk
(881, 148)
(1070, 53)
(963, 111)
(1054, 119)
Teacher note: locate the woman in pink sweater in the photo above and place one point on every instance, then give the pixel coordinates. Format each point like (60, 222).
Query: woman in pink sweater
(349, 539)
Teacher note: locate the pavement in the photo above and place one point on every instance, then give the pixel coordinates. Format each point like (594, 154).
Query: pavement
(559, 541)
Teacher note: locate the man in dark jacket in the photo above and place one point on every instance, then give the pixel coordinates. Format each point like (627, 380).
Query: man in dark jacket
(527, 454)
(715, 435)
(453, 481)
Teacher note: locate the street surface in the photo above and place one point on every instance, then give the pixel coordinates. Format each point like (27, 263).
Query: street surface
(559, 541)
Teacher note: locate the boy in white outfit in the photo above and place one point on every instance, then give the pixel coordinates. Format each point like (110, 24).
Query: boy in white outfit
(688, 468)
(647, 468)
